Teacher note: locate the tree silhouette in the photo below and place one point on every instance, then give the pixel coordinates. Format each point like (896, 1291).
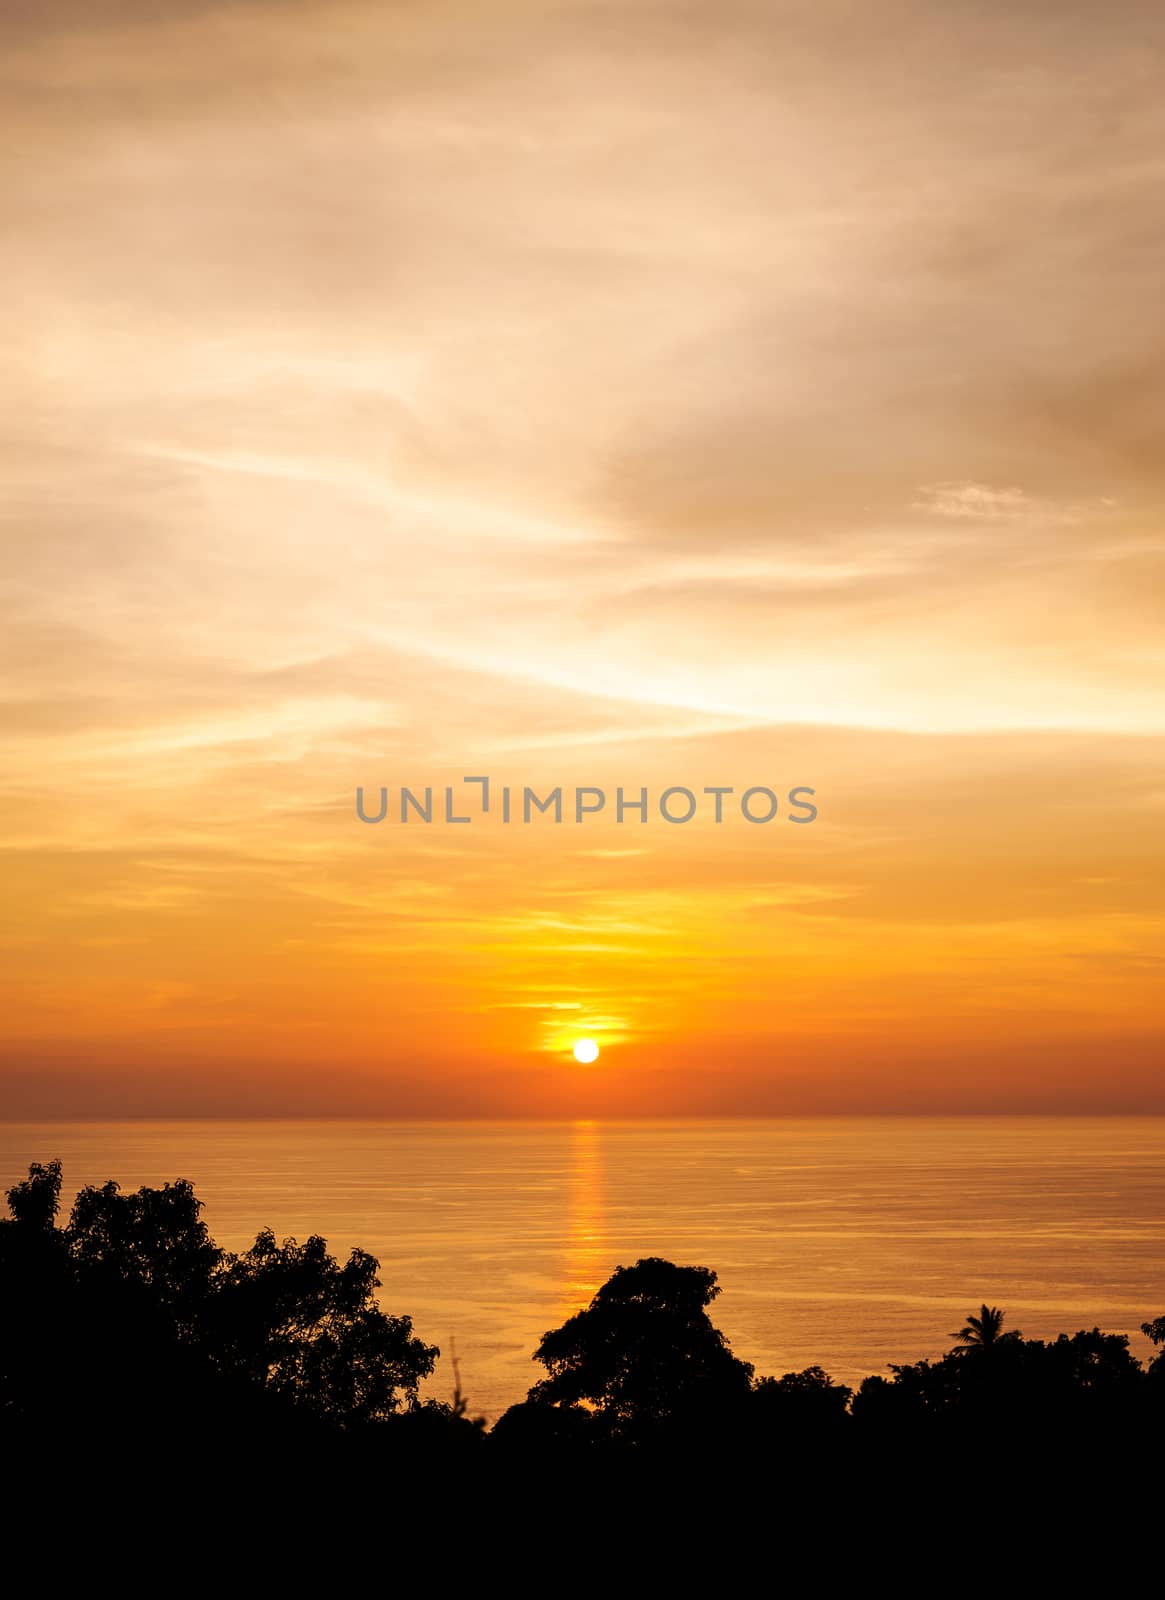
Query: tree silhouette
(643, 1352)
(802, 1401)
(982, 1331)
(34, 1203)
(289, 1318)
(130, 1335)
(133, 1300)
(37, 1297)
(1155, 1332)
(153, 1242)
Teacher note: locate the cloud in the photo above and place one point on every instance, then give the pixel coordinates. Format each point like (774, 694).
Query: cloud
(974, 500)
(602, 390)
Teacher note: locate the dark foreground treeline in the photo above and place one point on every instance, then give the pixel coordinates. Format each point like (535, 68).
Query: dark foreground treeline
(127, 1335)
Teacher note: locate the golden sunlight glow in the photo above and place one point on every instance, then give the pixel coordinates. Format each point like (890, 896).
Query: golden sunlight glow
(587, 1259)
(836, 474)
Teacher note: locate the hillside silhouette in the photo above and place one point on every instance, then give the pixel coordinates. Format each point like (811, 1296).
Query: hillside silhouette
(129, 1335)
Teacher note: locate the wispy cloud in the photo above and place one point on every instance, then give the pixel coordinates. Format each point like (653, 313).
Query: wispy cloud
(646, 393)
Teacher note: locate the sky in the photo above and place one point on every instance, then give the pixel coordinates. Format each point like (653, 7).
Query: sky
(582, 393)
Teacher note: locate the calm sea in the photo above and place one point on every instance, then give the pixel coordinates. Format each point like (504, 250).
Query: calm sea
(851, 1243)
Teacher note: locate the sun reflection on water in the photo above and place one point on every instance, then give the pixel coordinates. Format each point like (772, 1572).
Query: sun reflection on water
(584, 1264)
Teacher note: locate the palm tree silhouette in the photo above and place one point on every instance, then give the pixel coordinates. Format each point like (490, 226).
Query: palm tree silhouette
(983, 1330)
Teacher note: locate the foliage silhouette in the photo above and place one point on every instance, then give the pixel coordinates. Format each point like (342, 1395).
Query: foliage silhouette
(133, 1299)
(153, 1243)
(35, 1202)
(803, 1402)
(289, 1317)
(643, 1353)
(129, 1330)
(981, 1331)
(1154, 1331)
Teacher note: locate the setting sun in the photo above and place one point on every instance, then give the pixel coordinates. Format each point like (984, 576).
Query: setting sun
(586, 1051)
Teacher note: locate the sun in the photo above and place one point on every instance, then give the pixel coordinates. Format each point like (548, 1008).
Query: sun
(586, 1051)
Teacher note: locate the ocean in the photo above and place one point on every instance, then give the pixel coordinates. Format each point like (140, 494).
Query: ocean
(848, 1243)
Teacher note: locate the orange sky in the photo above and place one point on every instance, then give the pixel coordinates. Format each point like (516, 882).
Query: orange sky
(582, 393)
